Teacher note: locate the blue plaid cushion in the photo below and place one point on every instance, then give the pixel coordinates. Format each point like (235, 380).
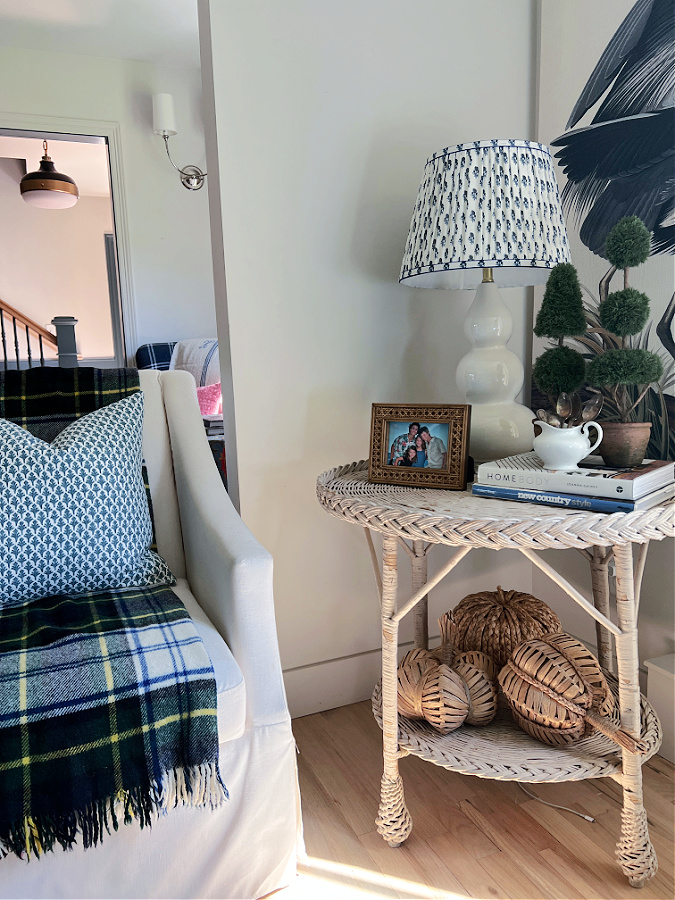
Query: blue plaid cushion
(155, 356)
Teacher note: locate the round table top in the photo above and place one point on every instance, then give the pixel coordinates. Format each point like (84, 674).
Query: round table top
(461, 519)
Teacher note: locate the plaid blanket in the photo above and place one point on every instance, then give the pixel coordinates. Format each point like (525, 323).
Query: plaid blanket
(107, 714)
(107, 701)
(46, 399)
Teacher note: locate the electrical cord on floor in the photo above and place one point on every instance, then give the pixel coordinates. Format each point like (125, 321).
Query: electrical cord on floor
(555, 805)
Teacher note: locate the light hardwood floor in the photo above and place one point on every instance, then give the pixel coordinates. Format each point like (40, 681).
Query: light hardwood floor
(471, 837)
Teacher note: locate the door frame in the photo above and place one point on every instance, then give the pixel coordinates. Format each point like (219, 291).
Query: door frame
(112, 132)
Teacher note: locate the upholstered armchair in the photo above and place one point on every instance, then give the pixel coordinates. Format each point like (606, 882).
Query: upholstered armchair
(247, 846)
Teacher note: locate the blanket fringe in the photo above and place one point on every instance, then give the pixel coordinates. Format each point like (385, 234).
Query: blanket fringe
(31, 837)
(193, 786)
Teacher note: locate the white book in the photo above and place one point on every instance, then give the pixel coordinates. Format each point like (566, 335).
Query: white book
(591, 478)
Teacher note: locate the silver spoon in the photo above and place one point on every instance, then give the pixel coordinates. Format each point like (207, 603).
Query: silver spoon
(591, 408)
(563, 406)
(576, 409)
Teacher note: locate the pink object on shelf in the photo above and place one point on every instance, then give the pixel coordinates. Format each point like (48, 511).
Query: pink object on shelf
(210, 400)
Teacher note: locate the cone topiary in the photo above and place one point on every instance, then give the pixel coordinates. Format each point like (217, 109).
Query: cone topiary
(560, 369)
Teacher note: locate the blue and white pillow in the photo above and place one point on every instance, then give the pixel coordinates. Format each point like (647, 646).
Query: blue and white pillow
(74, 514)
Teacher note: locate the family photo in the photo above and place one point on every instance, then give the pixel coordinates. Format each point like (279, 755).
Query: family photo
(418, 446)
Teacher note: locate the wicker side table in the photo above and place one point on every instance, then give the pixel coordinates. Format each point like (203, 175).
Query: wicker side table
(419, 518)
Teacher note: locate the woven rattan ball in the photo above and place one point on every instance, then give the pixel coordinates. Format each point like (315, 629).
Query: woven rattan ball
(443, 696)
(557, 692)
(496, 622)
(476, 669)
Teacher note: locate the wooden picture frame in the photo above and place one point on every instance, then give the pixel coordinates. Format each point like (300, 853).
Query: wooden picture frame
(392, 422)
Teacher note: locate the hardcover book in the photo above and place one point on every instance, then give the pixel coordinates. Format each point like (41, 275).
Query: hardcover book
(591, 478)
(575, 501)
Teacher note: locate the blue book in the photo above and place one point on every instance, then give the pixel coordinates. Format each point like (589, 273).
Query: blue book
(574, 501)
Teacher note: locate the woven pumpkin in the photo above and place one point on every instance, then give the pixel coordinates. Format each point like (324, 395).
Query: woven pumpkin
(443, 696)
(557, 692)
(496, 622)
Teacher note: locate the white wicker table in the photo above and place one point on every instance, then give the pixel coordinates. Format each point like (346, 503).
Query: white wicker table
(419, 518)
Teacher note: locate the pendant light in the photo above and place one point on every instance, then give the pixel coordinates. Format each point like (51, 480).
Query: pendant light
(47, 188)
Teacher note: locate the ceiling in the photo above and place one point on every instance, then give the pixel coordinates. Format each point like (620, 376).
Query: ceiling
(86, 164)
(157, 31)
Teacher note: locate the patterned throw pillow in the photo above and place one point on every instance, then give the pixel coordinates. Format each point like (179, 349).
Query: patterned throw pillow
(74, 513)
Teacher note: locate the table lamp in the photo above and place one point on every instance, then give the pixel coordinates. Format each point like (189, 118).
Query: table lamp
(488, 214)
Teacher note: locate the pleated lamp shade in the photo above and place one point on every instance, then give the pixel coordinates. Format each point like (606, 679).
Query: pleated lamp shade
(487, 204)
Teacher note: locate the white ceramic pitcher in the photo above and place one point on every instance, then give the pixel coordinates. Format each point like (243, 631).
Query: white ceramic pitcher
(563, 448)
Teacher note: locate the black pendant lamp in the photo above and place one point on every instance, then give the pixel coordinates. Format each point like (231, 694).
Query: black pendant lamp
(47, 188)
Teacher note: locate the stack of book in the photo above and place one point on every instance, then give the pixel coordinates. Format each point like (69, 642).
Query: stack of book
(591, 486)
(214, 426)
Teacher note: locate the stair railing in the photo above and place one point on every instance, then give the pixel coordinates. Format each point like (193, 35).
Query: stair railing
(18, 329)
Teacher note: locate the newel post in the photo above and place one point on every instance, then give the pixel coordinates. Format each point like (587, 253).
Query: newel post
(65, 339)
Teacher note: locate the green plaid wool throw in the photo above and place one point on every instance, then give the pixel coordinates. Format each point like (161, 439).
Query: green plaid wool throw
(107, 714)
(107, 701)
(46, 399)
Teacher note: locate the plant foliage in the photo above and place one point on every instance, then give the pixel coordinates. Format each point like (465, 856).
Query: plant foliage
(559, 369)
(625, 366)
(628, 243)
(624, 312)
(562, 309)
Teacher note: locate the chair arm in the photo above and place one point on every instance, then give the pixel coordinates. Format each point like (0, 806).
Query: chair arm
(229, 572)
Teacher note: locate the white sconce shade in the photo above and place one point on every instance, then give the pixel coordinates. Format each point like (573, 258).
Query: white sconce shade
(163, 115)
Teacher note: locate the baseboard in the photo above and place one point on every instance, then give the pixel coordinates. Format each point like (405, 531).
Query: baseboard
(334, 682)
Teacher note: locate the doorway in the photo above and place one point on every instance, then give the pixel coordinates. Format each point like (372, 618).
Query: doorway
(63, 262)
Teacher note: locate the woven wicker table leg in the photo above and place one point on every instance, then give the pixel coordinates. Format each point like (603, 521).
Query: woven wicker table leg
(393, 821)
(419, 578)
(600, 579)
(634, 851)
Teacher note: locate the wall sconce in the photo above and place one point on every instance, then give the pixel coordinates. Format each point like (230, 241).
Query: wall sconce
(164, 124)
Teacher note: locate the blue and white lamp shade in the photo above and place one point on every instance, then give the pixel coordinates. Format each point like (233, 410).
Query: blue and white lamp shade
(487, 204)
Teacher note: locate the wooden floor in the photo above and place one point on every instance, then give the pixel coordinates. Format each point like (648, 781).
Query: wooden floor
(471, 837)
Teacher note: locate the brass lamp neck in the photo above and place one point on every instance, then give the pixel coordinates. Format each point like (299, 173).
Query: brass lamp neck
(487, 276)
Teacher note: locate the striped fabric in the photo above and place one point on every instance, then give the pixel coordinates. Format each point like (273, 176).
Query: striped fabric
(155, 356)
(107, 714)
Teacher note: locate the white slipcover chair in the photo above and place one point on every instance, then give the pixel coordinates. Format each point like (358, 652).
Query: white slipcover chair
(247, 847)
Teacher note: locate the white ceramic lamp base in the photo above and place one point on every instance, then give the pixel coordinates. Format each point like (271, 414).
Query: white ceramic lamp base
(490, 377)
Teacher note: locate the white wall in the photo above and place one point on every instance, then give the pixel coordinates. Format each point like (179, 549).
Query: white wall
(52, 262)
(325, 115)
(170, 253)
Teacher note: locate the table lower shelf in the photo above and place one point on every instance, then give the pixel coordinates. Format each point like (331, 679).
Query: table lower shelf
(503, 751)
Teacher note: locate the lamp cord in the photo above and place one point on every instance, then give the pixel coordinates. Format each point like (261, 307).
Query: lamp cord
(555, 805)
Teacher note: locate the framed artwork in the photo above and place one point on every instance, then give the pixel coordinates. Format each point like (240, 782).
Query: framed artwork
(420, 445)
(605, 112)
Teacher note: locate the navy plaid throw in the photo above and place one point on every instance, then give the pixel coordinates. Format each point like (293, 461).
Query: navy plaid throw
(107, 714)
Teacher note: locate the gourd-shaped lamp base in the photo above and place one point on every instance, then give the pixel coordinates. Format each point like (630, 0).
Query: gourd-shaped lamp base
(490, 377)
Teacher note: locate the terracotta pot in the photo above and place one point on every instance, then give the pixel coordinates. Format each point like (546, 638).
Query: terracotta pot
(624, 443)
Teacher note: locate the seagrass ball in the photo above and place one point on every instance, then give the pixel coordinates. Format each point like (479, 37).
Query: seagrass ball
(445, 696)
(496, 622)
(557, 691)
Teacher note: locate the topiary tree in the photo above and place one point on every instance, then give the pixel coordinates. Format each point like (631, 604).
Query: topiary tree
(624, 314)
(560, 369)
